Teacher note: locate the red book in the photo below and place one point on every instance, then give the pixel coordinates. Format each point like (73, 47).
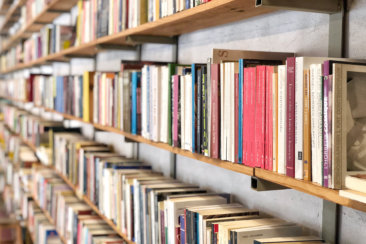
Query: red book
(177, 235)
(251, 119)
(215, 110)
(269, 119)
(236, 116)
(246, 85)
(259, 115)
(290, 118)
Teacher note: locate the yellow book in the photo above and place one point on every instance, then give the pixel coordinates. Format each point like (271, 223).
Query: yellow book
(88, 82)
(157, 8)
(79, 23)
(306, 127)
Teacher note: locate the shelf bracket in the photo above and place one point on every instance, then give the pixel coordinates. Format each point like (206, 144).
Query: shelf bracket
(319, 6)
(173, 165)
(57, 11)
(79, 56)
(258, 184)
(337, 32)
(139, 39)
(330, 222)
(101, 47)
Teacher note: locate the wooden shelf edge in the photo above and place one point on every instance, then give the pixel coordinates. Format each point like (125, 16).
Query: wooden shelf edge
(10, 13)
(309, 188)
(48, 216)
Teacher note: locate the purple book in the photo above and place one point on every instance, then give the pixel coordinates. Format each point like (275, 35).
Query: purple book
(327, 125)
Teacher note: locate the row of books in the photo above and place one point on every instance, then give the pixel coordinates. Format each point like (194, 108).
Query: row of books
(74, 220)
(36, 190)
(145, 205)
(276, 117)
(96, 18)
(100, 18)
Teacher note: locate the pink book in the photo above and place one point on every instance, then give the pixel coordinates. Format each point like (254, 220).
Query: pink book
(236, 117)
(246, 100)
(290, 118)
(269, 120)
(215, 110)
(175, 110)
(259, 124)
(251, 127)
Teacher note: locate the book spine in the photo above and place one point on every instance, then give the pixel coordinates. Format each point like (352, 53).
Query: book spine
(245, 121)
(281, 119)
(251, 128)
(240, 110)
(175, 92)
(236, 117)
(222, 112)
(306, 127)
(198, 113)
(325, 131)
(290, 118)
(193, 70)
(275, 120)
(204, 114)
(171, 68)
(259, 117)
(269, 120)
(299, 107)
(215, 110)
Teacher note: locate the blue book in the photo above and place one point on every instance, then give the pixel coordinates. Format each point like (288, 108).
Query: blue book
(196, 232)
(240, 112)
(136, 78)
(81, 97)
(182, 229)
(193, 70)
(188, 4)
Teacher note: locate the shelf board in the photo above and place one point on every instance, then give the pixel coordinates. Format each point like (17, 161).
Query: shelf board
(92, 205)
(5, 6)
(11, 16)
(213, 13)
(48, 216)
(73, 187)
(47, 15)
(299, 185)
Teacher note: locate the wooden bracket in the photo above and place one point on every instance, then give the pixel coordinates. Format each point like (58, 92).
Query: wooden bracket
(319, 6)
(139, 39)
(57, 11)
(330, 222)
(264, 185)
(75, 55)
(173, 165)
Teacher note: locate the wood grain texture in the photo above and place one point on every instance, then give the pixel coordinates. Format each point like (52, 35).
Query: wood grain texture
(213, 13)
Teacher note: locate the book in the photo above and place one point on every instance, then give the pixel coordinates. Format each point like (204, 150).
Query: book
(290, 120)
(306, 127)
(295, 239)
(281, 159)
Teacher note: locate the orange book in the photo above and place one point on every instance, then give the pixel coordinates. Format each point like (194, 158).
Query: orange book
(306, 128)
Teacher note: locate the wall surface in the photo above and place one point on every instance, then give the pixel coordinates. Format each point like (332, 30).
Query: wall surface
(299, 32)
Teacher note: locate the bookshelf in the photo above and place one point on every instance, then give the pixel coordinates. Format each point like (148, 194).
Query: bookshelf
(5, 6)
(52, 11)
(49, 219)
(73, 187)
(283, 180)
(179, 23)
(11, 16)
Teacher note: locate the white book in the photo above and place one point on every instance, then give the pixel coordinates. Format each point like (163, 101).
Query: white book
(222, 111)
(299, 110)
(182, 111)
(155, 103)
(188, 112)
(232, 111)
(316, 124)
(208, 82)
(144, 93)
(282, 84)
(164, 96)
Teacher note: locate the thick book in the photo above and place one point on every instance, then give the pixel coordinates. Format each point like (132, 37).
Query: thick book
(290, 118)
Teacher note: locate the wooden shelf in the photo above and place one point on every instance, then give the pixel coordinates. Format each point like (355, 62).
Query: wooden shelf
(299, 185)
(73, 187)
(5, 6)
(47, 15)
(213, 13)
(48, 216)
(11, 16)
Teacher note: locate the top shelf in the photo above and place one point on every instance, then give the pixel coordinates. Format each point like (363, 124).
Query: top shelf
(213, 13)
(11, 16)
(46, 16)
